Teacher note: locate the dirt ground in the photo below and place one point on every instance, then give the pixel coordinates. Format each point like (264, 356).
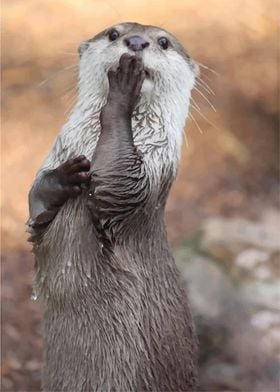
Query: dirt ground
(230, 166)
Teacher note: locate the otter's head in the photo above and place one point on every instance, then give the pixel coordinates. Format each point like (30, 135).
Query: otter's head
(169, 69)
(159, 116)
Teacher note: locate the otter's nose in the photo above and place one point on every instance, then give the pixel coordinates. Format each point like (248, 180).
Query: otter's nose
(136, 43)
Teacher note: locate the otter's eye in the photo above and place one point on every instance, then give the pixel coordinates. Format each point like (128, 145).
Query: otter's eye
(163, 43)
(113, 35)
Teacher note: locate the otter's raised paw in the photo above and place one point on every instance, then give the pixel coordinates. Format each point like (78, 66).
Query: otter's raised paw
(126, 82)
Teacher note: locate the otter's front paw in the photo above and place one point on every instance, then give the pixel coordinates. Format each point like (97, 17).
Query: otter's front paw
(65, 181)
(52, 188)
(125, 83)
(74, 171)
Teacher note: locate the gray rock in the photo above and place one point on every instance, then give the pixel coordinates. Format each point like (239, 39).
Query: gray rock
(228, 237)
(261, 294)
(265, 319)
(210, 290)
(224, 376)
(250, 258)
(232, 275)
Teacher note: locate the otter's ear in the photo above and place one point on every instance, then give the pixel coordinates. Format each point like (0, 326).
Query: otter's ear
(83, 46)
(195, 68)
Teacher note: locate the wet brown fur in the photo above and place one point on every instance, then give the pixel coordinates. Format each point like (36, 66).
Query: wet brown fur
(116, 313)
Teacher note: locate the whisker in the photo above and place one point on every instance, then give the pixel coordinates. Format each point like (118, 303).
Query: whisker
(66, 94)
(69, 105)
(69, 90)
(208, 90)
(197, 83)
(206, 85)
(195, 103)
(114, 9)
(206, 99)
(49, 56)
(53, 76)
(186, 140)
(206, 119)
(196, 123)
(207, 77)
(208, 68)
(165, 20)
(72, 86)
(69, 53)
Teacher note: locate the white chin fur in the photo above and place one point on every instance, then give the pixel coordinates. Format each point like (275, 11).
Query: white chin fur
(160, 115)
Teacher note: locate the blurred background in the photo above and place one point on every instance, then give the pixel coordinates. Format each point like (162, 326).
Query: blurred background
(223, 212)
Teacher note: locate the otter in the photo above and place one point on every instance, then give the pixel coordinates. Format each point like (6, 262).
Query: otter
(116, 315)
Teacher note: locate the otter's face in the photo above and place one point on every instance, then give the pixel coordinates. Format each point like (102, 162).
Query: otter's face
(169, 69)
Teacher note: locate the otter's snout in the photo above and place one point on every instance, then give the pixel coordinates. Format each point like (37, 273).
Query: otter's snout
(136, 43)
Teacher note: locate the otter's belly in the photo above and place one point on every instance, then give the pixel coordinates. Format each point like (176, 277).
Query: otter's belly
(115, 319)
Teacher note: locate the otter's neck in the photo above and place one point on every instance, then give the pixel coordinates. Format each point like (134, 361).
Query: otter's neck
(157, 124)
